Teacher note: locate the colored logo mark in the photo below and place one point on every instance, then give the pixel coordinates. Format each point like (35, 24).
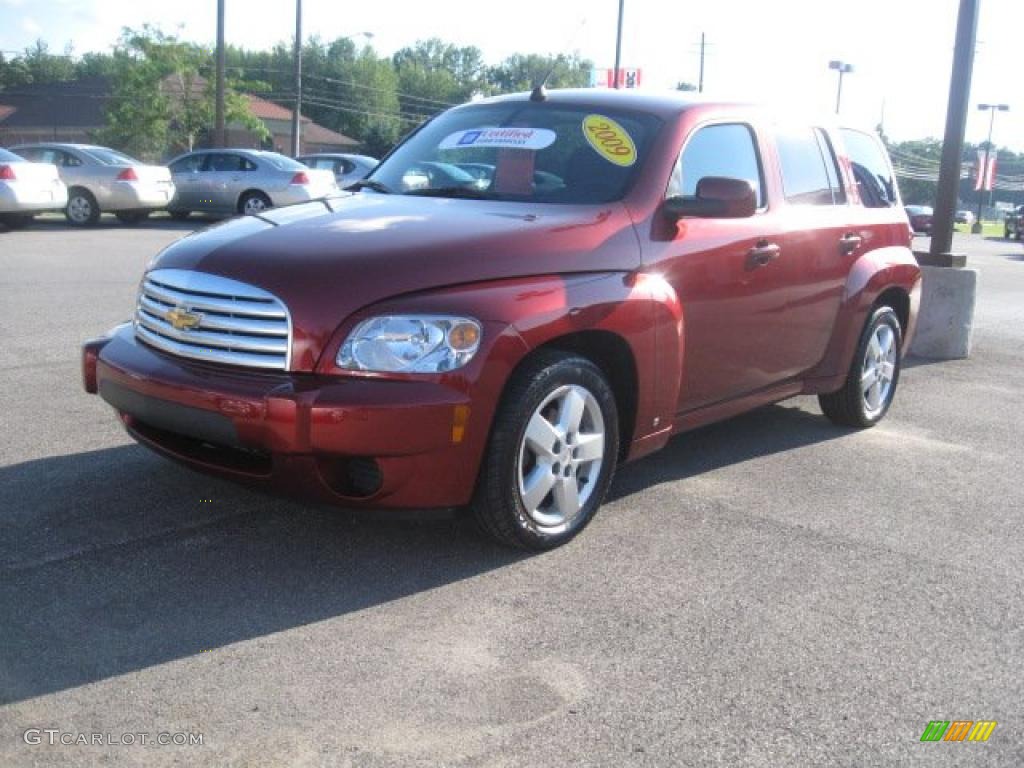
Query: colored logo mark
(958, 730)
(469, 137)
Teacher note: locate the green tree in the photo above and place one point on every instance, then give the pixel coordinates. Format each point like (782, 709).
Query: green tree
(163, 96)
(521, 72)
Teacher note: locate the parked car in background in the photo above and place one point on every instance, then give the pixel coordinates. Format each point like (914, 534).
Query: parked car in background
(347, 169)
(102, 180)
(245, 181)
(1014, 223)
(505, 347)
(964, 217)
(920, 217)
(28, 188)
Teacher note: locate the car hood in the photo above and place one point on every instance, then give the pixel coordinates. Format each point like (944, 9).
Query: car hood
(330, 258)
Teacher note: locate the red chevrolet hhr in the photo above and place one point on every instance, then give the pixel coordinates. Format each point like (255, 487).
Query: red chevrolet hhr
(528, 291)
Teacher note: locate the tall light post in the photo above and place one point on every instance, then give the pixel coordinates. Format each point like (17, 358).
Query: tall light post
(842, 68)
(991, 109)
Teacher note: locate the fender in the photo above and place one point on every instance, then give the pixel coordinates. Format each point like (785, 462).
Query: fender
(871, 275)
(523, 314)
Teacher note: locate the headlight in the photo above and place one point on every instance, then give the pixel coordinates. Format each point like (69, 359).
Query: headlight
(410, 344)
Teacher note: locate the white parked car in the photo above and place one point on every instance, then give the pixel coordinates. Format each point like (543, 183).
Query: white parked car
(102, 180)
(347, 168)
(27, 189)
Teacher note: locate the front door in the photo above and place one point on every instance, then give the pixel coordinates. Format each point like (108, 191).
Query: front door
(730, 275)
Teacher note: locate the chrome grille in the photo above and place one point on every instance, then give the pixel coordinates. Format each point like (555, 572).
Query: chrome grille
(214, 319)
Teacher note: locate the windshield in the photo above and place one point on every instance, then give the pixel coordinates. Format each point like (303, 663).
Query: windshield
(530, 152)
(110, 157)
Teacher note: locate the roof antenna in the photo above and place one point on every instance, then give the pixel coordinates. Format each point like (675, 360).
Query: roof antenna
(539, 92)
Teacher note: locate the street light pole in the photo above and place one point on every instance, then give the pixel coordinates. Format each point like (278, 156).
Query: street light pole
(297, 112)
(842, 67)
(991, 109)
(618, 44)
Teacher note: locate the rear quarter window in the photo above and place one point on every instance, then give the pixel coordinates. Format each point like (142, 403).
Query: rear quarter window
(871, 169)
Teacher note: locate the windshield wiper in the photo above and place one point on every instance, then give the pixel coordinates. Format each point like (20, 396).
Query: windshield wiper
(471, 193)
(373, 184)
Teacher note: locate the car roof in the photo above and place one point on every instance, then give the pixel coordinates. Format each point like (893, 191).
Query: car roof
(67, 145)
(659, 102)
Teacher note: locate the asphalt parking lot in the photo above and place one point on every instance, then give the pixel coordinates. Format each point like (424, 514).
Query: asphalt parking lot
(770, 591)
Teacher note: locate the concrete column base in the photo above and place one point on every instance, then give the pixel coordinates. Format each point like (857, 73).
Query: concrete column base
(946, 319)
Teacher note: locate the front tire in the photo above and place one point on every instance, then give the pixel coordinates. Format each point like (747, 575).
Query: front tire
(551, 454)
(871, 382)
(179, 215)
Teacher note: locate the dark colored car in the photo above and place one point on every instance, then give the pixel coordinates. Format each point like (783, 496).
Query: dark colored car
(920, 217)
(1012, 223)
(503, 347)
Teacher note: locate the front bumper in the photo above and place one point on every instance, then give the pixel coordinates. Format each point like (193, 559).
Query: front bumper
(354, 442)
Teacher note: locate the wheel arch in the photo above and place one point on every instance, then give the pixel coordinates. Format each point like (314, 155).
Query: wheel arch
(612, 354)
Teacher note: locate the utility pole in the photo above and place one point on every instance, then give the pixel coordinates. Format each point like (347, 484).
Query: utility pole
(618, 44)
(219, 139)
(296, 114)
(700, 82)
(941, 254)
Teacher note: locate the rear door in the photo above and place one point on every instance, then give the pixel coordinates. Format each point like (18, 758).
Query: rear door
(818, 239)
(225, 178)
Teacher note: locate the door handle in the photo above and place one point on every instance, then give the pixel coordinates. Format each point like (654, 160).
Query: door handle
(763, 254)
(849, 243)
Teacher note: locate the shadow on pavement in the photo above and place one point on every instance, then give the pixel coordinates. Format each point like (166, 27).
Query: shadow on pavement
(116, 560)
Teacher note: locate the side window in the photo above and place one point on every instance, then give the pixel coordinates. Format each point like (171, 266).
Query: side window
(871, 169)
(188, 164)
(68, 160)
(345, 166)
(718, 150)
(226, 163)
(805, 180)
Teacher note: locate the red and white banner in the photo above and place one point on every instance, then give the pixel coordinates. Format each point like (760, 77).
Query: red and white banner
(984, 174)
(605, 78)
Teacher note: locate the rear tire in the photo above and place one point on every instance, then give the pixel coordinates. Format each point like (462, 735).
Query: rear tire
(874, 373)
(253, 203)
(551, 454)
(82, 209)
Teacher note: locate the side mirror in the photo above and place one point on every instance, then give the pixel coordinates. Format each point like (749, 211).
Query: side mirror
(717, 197)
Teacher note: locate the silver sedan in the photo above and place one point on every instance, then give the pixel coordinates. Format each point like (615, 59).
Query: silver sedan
(244, 181)
(27, 189)
(347, 169)
(103, 180)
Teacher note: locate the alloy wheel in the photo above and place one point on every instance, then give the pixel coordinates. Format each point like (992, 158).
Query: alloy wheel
(560, 457)
(878, 369)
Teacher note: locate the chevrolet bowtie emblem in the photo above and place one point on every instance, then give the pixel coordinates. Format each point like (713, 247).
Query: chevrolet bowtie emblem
(182, 319)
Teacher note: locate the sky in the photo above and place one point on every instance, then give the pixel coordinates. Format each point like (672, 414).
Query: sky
(769, 51)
